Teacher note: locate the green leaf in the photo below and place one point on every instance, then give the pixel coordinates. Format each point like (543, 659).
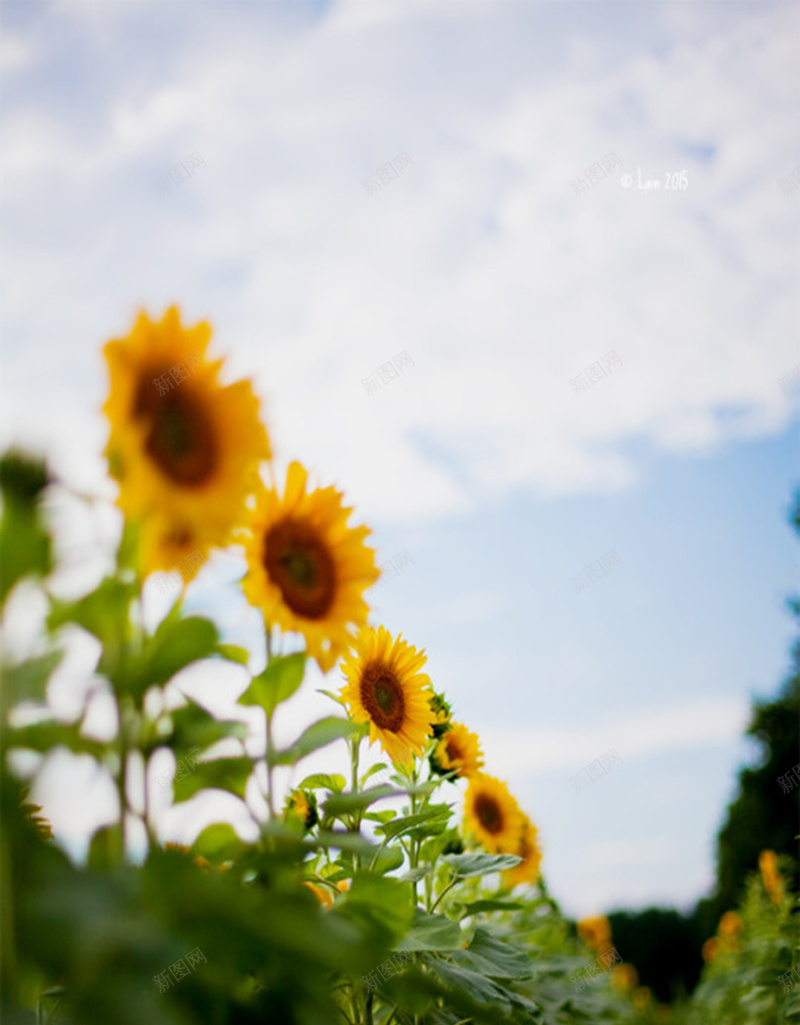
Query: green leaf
(318, 735)
(476, 906)
(381, 905)
(431, 932)
(324, 781)
(429, 822)
(467, 865)
(43, 736)
(229, 774)
(355, 843)
(177, 643)
(380, 767)
(219, 842)
(381, 816)
(25, 547)
(387, 860)
(129, 546)
(415, 874)
(494, 957)
(23, 478)
(193, 727)
(27, 681)
(105, 848)
(104, 613)
(341, 804)
(422, 788)
(233, 653)
(277, 683)
(476, 987)
(334, 697)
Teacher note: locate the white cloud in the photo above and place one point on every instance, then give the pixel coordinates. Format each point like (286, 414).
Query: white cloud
(629, 852)
(16, 53)
(479, 260)
(703, 723)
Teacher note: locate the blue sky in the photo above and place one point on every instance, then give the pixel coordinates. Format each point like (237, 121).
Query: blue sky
(502, 284)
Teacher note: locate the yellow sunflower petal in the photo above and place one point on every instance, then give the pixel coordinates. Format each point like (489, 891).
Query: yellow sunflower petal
(459, 751)
(323, 895)
(624, 977)
(595, 932)
(307, 569)
(527, 871)
(492, 815)
(184, 448)
(171, 544)
(385, 689)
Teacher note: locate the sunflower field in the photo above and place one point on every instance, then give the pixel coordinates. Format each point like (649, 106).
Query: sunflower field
(406, 890)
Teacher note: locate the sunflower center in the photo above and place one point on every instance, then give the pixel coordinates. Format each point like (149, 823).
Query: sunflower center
(180, 435)
(382, 696)
(489, 814)
(454, 753)
(300, 564)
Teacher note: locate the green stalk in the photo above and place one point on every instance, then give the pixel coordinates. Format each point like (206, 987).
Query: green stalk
(413, 857)
(269, 768)
(122, 772)
(148, 825)
(355, 746)
(447, 889)
(269, 741)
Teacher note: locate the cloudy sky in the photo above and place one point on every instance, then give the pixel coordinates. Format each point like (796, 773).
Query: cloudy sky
(487, 460)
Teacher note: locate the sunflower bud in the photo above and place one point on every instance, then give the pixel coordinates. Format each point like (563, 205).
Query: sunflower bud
(442, 713)
(302, 805)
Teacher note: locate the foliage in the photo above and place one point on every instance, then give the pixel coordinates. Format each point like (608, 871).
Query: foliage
(364, 901)
(742, 983)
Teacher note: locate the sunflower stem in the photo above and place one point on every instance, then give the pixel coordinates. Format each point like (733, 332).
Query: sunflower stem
(355, 746)
(447, 889)
(148, 824)
(268, 738)
(414, 846)
(368, 1019)
(122, 774)
(268, 761)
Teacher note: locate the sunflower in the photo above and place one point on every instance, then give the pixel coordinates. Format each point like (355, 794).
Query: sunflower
(441, 715)
(322, 893)
(624, 977)
(458, 751)
(302, 805)
(198, 859)
(492, 815)
(171, 544)
(729, 930)
(184, 448)
(773, 884)
(306, 566)
(527, 871)
(710, 949)
(386, 689)
(596, 933)
(641, 998)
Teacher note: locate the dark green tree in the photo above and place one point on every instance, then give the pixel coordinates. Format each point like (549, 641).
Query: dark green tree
(664, 945)
(762, 816)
